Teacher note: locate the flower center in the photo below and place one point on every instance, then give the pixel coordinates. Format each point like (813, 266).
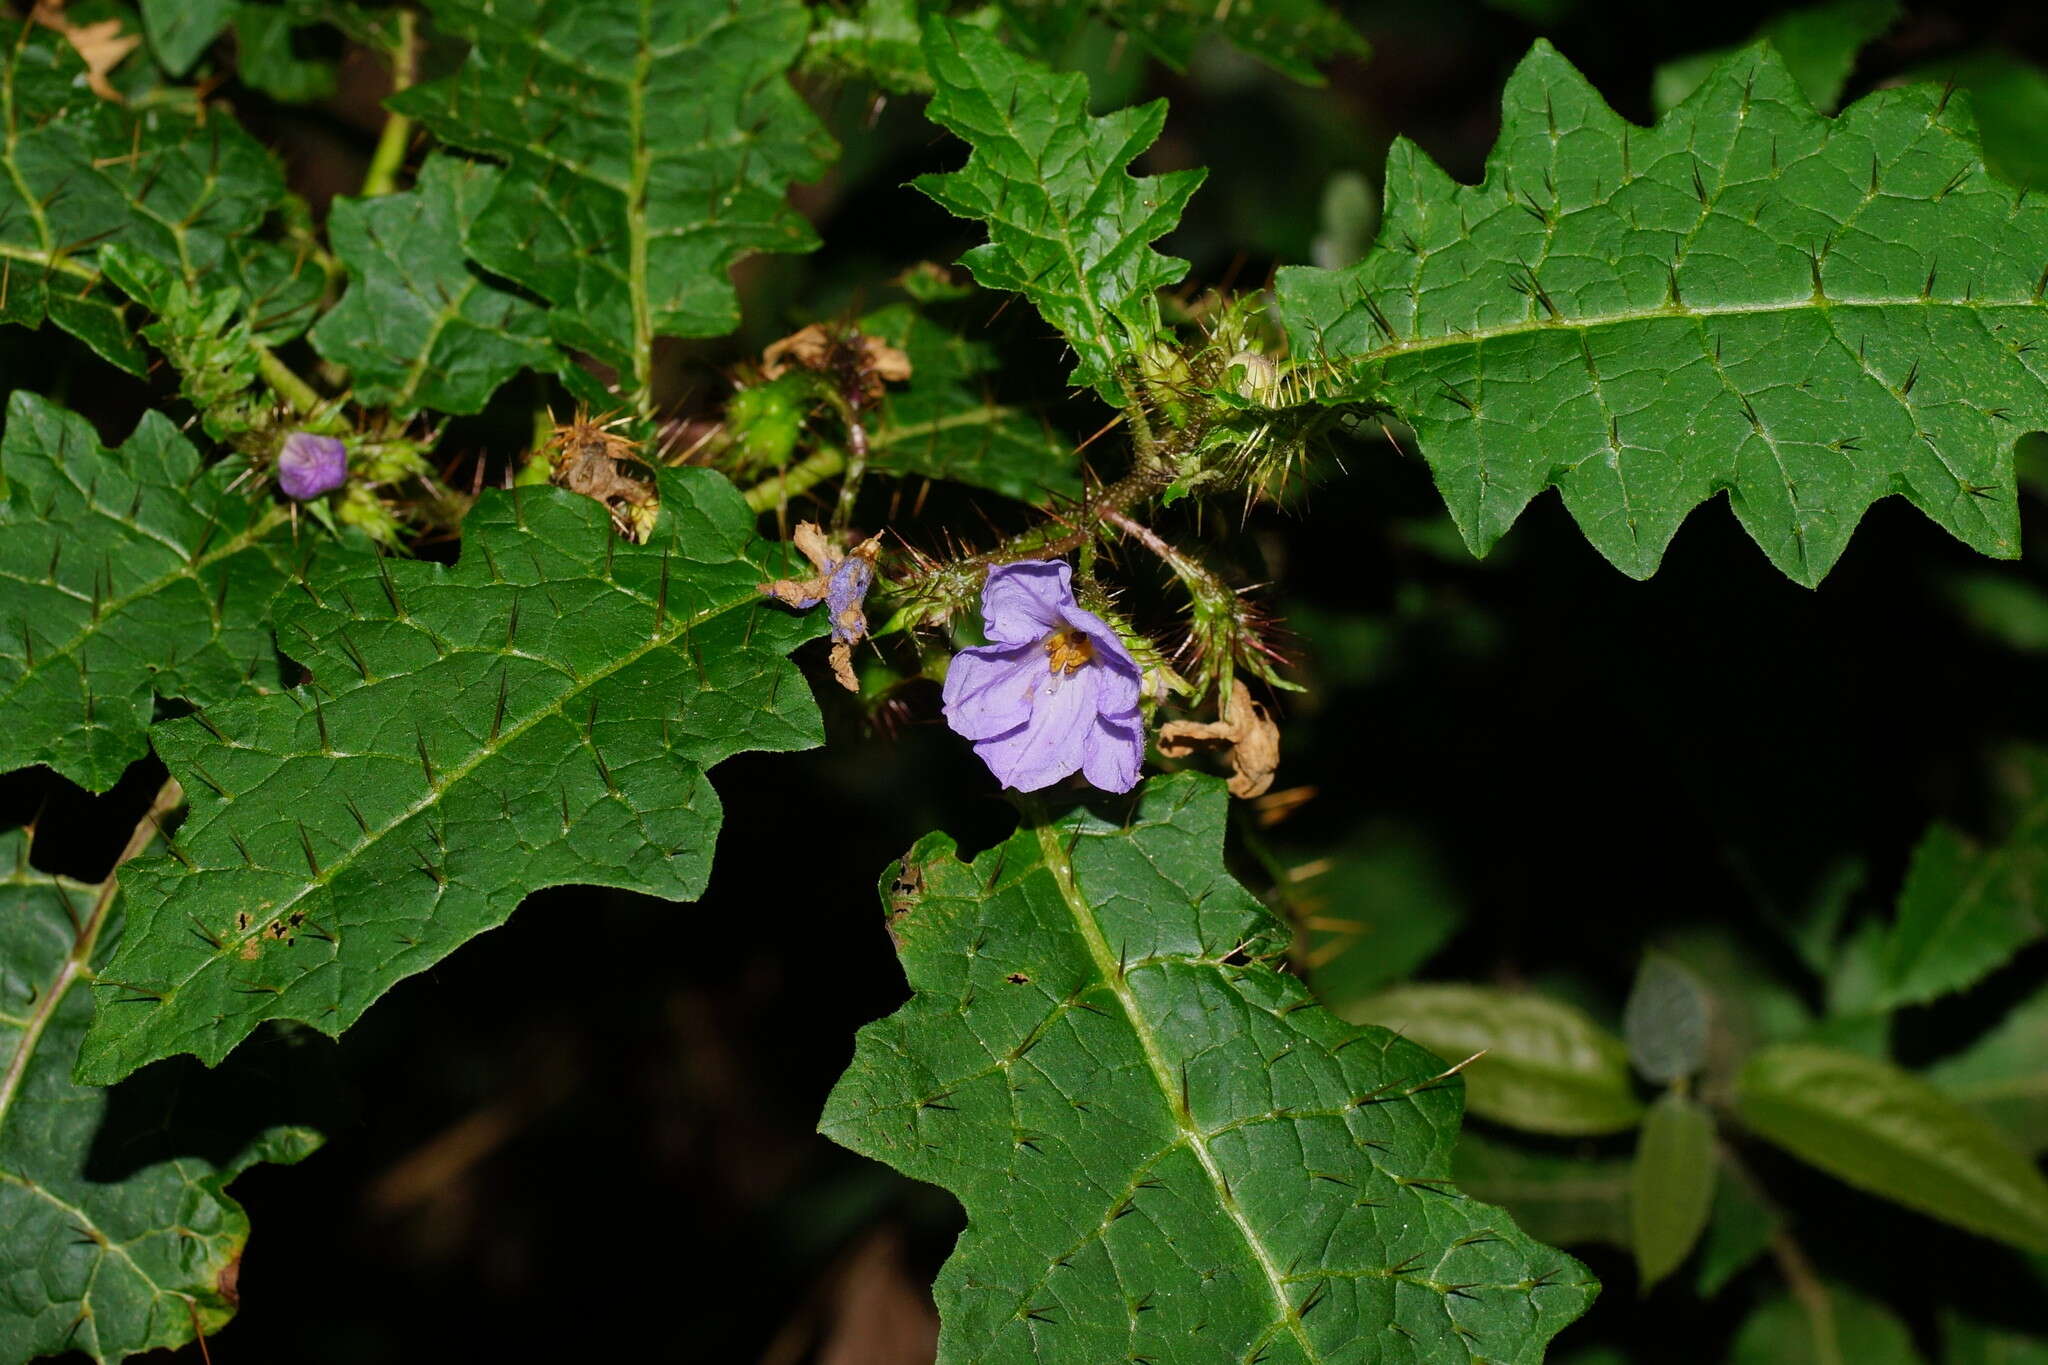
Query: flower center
(1069, 649)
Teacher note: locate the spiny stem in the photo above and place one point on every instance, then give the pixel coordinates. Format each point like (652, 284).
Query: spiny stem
(382, 177)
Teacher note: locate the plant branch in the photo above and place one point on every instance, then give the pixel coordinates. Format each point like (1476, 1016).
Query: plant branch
(382, 177)
(78, 962)
(801, 477)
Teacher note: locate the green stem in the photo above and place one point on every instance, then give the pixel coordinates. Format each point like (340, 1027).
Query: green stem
(78, 962)
(777, 489)
(305, 400)
(382, 177)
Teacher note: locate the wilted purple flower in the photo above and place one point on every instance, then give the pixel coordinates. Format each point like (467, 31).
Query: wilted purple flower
(846, 589)
(1057, 690)
(310, 465)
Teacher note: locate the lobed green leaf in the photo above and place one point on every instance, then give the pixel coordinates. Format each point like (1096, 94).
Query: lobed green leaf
(126, 576)
(648, 145)
(541, 713)
(418, 327)
(79, 173)
(1166, 1149)
(1069, 227)
(1805, 314)
(117, 1236)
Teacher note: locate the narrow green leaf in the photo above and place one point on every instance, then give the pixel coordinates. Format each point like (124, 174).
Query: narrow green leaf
(1667, 1019)
(1842, 1329)
(1167, 1150)
(1896, 1136)
(117, 1236)
(125, 576)
(179, 30)
(418, 328)
(1818, 43)
(541, 713)
(1803, 313)
(1671, 1185)
(1966, 910)
(1739, 1230)
(2004, 1074)
(1565, 1200)
(944, 425)
(648, 145)
(1069, 227)
(1547, 1068)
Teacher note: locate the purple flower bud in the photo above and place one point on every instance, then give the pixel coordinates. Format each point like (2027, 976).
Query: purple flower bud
(310, 465)
(1057, 691)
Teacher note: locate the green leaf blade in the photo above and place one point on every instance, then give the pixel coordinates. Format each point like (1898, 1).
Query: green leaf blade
(1896, 1136)
(125, 575)
(1966, 910)
(1804, 314)
(1069, 227)
(82, 172)
(417, 327)
(542, 713)
(648, 145)
(942, 426)
(1547, 1068)
(1671, 1187)
(110, 1262)
(1083, 1065)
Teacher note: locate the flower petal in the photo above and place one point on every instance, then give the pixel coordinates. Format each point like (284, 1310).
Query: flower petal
(990, 689)
(1024, 601)
(1121, 675)
(1112, 754)
(1050, 745)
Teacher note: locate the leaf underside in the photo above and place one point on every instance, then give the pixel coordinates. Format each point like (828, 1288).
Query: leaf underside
(1804, 313)
(541, 713)
(648, 145)
(108, 1250)
(125, 575)
(1166, 1149)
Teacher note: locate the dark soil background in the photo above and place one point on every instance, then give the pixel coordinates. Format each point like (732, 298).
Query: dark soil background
(589, 1135)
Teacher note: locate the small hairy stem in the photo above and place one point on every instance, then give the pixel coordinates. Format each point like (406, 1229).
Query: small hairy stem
(856, 467)
(382, 177)
(305, 400)
(805, 474)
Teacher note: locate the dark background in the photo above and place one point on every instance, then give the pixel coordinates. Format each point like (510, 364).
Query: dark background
(589, 1135)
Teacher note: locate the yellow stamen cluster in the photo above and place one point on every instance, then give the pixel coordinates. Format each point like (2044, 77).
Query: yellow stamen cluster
(1069, 649)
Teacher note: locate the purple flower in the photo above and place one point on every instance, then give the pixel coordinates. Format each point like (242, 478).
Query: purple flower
(1056, 692)
(310, 465)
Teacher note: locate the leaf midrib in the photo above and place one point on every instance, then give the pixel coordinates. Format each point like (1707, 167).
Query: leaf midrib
(1112, 975)
(1475, 336)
